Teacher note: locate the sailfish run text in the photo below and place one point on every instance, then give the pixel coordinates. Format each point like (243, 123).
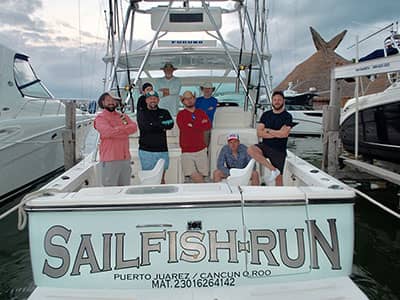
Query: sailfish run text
(187, 246)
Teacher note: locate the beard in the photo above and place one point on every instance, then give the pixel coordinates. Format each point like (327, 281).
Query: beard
(110, 108)
(277, 107)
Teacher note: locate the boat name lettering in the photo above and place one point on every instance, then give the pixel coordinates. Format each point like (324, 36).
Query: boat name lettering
(107, 252)
(183, 42)
(376, 66)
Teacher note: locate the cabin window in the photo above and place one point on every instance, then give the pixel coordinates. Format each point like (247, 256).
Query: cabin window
(27, 81)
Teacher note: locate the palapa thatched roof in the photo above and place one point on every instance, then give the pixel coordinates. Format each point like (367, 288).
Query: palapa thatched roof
(315, 71)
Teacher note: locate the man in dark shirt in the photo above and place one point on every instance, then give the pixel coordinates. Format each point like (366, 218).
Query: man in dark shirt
(153, 123)
(274, 128)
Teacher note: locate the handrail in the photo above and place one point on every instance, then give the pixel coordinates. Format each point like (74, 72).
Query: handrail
(373, 201)
(46, 102)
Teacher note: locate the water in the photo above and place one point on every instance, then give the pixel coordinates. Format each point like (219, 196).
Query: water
(376, 267)
(15, 267)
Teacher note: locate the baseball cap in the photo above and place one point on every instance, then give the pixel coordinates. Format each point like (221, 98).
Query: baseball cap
(151, 93)
(168, 65)
(113, 94)
(232, 136)
(187, 94)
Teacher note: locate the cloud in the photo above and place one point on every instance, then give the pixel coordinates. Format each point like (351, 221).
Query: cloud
(20, 14)
(69, 66)
(290, 38)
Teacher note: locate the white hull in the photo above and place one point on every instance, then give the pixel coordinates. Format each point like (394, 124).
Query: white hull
(150, 241)
(334, 288)
(378, 119)
(309, 123)
(26, 159)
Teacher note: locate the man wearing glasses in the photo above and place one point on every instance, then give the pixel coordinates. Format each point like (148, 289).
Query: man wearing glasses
(192, 124)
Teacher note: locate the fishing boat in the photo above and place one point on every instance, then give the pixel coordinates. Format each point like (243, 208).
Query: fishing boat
(379, 113)
(181, 240)
(31, 125)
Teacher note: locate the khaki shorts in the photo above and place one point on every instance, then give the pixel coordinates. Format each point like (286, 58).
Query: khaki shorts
(195, 162)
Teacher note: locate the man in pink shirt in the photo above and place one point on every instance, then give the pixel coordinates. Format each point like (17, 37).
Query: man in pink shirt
(114, 129)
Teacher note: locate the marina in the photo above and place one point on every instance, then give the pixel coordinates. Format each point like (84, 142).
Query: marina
(177, 228)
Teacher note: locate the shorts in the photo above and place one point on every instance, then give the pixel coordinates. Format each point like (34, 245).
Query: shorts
(207, 137)
(195, 162)
(116, 172)
(277, 158)
(149, 159)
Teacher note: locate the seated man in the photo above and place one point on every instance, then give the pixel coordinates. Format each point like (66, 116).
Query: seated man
(274, 128)
(233, 155)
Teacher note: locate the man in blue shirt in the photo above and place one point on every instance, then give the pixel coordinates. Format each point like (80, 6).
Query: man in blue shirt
(208, 104)
(233, 155)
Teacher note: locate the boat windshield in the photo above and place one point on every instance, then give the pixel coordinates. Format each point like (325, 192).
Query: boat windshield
(27, 81)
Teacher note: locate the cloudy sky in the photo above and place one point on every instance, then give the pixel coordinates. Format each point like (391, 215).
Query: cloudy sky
(66, 39)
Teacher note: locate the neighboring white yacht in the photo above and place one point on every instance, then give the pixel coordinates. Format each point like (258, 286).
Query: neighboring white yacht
(300, 105)
(31, 125)
(182, 240)
(379, 113)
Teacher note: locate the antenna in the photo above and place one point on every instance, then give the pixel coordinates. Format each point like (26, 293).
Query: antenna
(371, 35)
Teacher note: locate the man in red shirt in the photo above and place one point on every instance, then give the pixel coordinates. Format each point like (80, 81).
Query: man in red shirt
(192, 124)
(114, 129)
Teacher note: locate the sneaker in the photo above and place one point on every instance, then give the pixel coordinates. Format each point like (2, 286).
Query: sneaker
(272, 175)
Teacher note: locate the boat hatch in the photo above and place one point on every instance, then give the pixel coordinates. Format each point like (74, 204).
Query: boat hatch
(152, 190)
